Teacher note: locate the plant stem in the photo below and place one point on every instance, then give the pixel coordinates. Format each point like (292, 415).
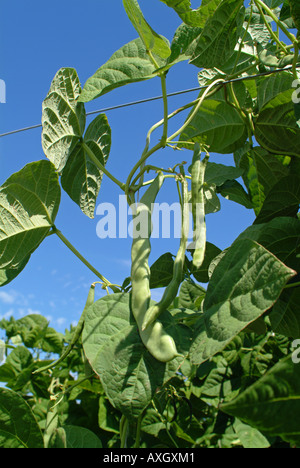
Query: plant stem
(295, 61)
(195, 111)
(242, 39)
(273, 35)
(138, 432)
(165, 100)
(82, 259)
(289, 35)
(292, 285)
(101, 167)
(123, 431)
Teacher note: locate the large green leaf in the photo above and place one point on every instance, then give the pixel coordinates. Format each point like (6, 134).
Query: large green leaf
(280, 236)
(153, 42)
(217, 125)
(129, 64)
(63, 118)
(81, 178)
(219, 36)
(128, 372)
(29, 201)
(276, 127)
(270, 86)
(246, 282)
(18, 427)
(272, 404)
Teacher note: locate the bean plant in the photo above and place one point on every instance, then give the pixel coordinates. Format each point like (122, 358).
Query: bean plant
(214, 363)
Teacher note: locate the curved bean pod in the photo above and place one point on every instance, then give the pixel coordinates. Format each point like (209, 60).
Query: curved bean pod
(198, 206)
(172, 289)
(156, 340)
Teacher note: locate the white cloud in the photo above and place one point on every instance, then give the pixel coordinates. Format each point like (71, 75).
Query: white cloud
(31, 311)
(7, 298)
(60, 321)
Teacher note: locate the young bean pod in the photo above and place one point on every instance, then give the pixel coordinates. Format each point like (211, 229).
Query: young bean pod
(198, 206)
(156, 340)
(172, 289)
(78, 330)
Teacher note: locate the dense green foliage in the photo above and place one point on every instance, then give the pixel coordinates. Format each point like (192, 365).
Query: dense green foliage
(235, 380)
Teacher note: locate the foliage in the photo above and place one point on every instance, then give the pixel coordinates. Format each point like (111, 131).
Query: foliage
(236, 379)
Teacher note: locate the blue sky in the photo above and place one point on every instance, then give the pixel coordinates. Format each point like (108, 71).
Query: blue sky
(37, 39)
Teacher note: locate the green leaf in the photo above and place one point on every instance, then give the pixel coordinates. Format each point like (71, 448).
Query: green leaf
(250, 437)
(81, 178)
(153, 42)
(276, 127)
(210, 127)
(269, 87)
(257, 27)
(130, 64)
(108, 419)
(295, 12)
(285, 314)
(220, 384)
(201, 275)
(63, 140)
(9, 274)
(161, 271)
(234, 191)
(18, 427)
(188, 294)
(35, 333)
(280, 236)
(81, 437)
(128, 372)
(261, 172)
(20, 358)
(272, 404)
(193, 17)
(282, 200)
(183, 43)
(219, 36)
(285, 15)
(7, 373)
(29, 202)
(218, 174)
(63, 117)
(246, 282)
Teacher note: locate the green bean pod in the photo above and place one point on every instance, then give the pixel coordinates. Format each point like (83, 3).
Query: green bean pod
(198, 206)
(171, 290)
(156, 340)
(78, 330)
